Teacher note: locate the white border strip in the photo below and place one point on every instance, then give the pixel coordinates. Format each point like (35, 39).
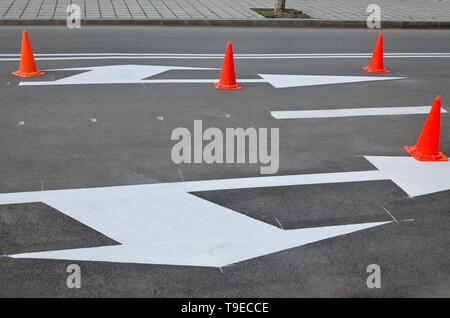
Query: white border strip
(352, 112)
(221, 55)
(100, 56)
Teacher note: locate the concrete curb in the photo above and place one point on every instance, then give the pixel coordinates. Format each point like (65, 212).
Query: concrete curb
(285, 23)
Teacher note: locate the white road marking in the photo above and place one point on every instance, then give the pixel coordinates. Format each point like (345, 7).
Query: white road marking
(105, 56)
(410, 177)
(164, 224)
(175, 228)
(137, 74)
(389, 213)
(191, 246)
(281, 181)
(279, 223)
(212, 185)
(416, 178)
(124, 81)
(351, 112)
(112, 74)
(236, 54)
(283, 81)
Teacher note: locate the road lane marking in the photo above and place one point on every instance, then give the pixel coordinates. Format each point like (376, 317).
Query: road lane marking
(209, 185)
(106, 56)
(351, 112)
(160, 225)
(221, 54)
(138, 74)
(165, 224)
(414, 177)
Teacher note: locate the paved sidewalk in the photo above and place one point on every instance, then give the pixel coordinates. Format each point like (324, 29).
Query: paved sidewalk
(350, 10)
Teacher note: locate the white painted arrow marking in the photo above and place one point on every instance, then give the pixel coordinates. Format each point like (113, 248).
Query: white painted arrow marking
(414, 177)
(136, 74)
(282, 81)
(112, 74)
(175, 228)
(164, 224)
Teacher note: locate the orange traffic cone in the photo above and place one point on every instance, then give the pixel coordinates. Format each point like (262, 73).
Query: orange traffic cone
(427, 147)
(376, 64)
(228, 77)
(27, 64)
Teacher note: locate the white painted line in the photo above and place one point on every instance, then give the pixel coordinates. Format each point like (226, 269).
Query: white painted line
(281, 81)
(104, 56)
(414, 177)
(387, 211)
(352, 112)
(236, 54)
(281, 181)
(138, 74)
(279, 223)
(220, 54)
(199, 81)
(208, 185)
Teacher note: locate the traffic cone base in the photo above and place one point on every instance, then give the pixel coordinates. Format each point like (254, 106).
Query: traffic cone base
(375, 70)
(219, 85)
(24, 74)
(425, 157)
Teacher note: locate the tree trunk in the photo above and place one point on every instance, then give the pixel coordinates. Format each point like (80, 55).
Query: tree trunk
(280, 5)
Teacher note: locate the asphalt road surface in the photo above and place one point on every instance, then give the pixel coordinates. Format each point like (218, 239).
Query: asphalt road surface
(83, 136)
